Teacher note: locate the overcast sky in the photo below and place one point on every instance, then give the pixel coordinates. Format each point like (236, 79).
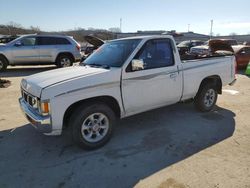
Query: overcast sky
(55, 15)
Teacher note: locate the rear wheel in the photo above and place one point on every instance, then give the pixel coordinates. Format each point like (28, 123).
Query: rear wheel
(3, 64)
(92, 125)
(206, 98)
(64, 61)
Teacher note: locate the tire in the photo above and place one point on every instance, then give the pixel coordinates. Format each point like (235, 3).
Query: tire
(92, 125)
(64, 61)
(206, 97)
(3, 64)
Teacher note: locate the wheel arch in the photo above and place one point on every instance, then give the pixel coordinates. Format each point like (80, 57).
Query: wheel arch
(108, 100)
(214, 79)
(65, 53)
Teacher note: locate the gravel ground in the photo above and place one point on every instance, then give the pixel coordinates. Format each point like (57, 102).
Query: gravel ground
(171, 147)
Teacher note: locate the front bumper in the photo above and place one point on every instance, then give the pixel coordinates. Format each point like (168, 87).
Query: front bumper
(41, 123)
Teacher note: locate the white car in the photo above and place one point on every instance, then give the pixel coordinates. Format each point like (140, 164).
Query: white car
(122, 78)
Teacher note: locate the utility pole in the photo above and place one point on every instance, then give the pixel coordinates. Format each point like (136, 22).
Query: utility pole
(188, 27)
(121, 24)
(211, 29)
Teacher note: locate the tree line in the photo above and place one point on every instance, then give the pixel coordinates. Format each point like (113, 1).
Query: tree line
(13, 28)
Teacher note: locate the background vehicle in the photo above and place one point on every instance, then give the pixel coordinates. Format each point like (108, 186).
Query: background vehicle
(7, 39)
(40, 50)
(185, 46)
(204, 49)
(246, 43)
(242, 54)
(122, 78)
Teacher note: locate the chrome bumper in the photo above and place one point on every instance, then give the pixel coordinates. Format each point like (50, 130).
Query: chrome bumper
(41, 123)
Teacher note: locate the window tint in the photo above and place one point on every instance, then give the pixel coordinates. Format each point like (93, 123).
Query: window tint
(46, 41)
(28, 41)
(52, 41)
(156, 53)
(62, 41)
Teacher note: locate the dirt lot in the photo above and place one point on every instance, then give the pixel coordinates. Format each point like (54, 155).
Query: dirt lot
(172, 147)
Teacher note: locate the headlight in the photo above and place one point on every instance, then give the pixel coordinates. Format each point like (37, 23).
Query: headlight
(44, 107)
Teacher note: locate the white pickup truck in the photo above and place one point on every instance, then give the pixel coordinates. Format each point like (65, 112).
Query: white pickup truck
(122, 78)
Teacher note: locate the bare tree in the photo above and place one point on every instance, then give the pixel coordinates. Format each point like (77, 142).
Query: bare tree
(35, 29)
(14, 28)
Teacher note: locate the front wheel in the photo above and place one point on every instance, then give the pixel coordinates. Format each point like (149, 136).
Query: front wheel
(206, 98)
(92, 125)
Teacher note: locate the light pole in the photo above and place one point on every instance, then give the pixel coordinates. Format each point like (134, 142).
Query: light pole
(188, 27)
(211, 29)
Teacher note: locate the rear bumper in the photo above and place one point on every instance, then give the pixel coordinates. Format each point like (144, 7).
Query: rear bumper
(233, 82)
(77, 57)
(41, 123)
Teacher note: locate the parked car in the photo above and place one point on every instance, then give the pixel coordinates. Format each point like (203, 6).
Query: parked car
(242, 54)
(40, 50)
(122, 78)
(185, 46)
(7, 39)
(204, 49)
(246, 43)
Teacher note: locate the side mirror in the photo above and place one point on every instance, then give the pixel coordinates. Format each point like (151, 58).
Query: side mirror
(18, 43)
(137, 64)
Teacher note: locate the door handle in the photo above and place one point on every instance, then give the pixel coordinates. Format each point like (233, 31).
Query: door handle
(173, 75)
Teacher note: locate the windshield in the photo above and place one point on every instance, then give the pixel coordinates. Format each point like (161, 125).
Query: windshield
(112, 54)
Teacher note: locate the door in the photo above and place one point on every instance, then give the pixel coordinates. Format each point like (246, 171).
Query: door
(47, 46)
(159, 83)
(25, 51)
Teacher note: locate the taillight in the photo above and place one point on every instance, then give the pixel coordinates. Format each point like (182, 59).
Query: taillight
(78, 47)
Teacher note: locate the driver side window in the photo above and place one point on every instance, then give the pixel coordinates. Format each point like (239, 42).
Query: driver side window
(156, 53)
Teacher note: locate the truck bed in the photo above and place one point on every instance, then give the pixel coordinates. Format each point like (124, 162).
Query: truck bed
(196, 69)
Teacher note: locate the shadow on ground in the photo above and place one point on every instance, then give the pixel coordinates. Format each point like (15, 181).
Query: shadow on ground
(21, 71)
(142, 145)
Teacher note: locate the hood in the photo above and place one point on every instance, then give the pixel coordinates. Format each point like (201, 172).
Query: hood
(35, 83)
(219, 45)
(96, 42)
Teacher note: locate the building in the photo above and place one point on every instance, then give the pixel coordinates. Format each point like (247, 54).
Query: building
(182, 36)
(178, 36)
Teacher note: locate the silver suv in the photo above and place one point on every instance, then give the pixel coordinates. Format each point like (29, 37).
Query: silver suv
(40, 50)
